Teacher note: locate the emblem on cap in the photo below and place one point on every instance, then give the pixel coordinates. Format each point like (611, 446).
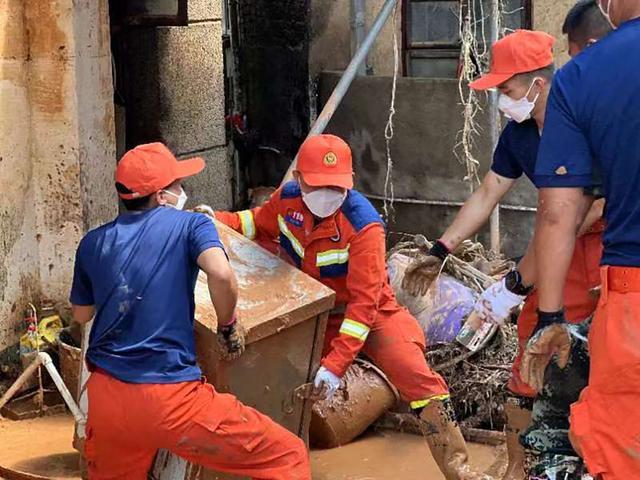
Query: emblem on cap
(561, 170)
(330, 159)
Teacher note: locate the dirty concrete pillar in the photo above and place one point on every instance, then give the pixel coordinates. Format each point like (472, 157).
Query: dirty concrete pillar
(18, 246)
(174, 93)
(56, 132)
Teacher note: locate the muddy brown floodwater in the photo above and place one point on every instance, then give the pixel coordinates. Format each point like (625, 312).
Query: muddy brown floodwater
(42, 446)
(388, 456)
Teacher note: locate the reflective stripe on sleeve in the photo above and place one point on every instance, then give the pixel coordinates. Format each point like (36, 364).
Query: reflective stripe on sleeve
(248, 224)
(354, 329)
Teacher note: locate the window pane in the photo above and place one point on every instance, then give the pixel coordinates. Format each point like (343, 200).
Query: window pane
(434, 21)
(514, 15)
(434, 67)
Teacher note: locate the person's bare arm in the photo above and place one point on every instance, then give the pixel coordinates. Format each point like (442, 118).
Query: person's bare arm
(527, 264)
(83, 313)
(593, 215)
(223, 287)
(477, 209)
(560, 213)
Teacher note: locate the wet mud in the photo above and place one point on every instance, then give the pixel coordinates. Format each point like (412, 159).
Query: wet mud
(389, 456)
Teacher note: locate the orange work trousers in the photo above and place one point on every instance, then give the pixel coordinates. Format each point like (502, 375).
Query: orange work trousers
(605, 422)
(396, 345)
(128, 423)
(580, 301)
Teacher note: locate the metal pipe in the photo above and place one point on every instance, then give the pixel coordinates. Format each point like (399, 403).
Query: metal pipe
(494, 122)
(45, 359)
(347, 78)
(445, 203)
(358, 31)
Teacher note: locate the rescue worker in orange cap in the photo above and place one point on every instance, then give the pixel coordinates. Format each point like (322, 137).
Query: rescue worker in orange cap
(334, 234)
(135, 276)
(522, 69)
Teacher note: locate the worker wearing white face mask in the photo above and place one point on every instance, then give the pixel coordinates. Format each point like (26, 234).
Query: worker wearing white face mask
(521, 69)
(331, 232)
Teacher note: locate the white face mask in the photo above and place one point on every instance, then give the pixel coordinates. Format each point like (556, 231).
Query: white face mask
(324, 202)
(517, 110)
(182, 199)
(606, 12)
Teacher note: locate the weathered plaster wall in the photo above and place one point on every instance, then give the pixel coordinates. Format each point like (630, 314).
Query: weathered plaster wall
(331, 47)
(56, 146)
(548, 16)
(427, 120)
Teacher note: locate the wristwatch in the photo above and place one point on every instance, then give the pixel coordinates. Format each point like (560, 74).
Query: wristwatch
(513, 282)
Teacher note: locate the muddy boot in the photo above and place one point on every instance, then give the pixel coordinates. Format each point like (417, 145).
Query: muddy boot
(518, 419)
(446, 442)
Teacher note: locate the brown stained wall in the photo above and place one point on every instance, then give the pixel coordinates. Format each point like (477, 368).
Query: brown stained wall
(56, 146)
(548, 15)
(331, 33)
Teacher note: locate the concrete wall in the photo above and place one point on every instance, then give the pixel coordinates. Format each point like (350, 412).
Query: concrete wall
(174, 93)
(56, 146)
(428, 118)
(548, 16)
(427, 121)
(331, 47)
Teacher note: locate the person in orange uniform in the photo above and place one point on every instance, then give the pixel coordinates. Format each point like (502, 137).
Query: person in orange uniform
(135, 277)
(522, 70)
(592, 129)
(334, 234)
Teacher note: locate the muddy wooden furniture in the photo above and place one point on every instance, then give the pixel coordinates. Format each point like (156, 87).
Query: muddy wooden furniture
(284, 312)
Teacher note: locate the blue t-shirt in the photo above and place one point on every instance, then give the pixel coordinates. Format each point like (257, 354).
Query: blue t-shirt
(517, 150)
(140, 272)
(592, 128)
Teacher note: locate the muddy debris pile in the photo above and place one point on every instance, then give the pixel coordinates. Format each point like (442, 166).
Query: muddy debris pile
(477, 380)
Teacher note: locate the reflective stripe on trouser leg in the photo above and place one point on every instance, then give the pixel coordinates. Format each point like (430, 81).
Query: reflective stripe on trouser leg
(417, 404)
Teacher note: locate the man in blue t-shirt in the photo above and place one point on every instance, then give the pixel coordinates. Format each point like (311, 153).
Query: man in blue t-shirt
(593, 126)
(135, 277)
(522, 69)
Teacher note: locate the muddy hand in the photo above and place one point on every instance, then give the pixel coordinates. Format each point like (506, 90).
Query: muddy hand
(231, 340)
(552, 340)
(420, 274)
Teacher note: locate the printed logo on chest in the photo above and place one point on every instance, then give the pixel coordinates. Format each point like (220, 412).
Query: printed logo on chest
(294, 218)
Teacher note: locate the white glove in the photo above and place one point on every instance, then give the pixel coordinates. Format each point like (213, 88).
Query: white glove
(328, 379)
(496, 302)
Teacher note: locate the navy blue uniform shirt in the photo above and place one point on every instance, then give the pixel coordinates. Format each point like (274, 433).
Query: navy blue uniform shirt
(517, 150)
(140, 272)
(592, 127)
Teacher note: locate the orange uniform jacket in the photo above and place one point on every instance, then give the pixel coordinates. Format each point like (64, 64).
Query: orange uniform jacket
(346, 252)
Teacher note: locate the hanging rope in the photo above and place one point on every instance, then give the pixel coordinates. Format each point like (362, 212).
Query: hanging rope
(388, 130)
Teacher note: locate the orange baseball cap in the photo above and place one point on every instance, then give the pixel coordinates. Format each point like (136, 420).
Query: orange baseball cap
(325, 161)
(520, 52)
(148, 168)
